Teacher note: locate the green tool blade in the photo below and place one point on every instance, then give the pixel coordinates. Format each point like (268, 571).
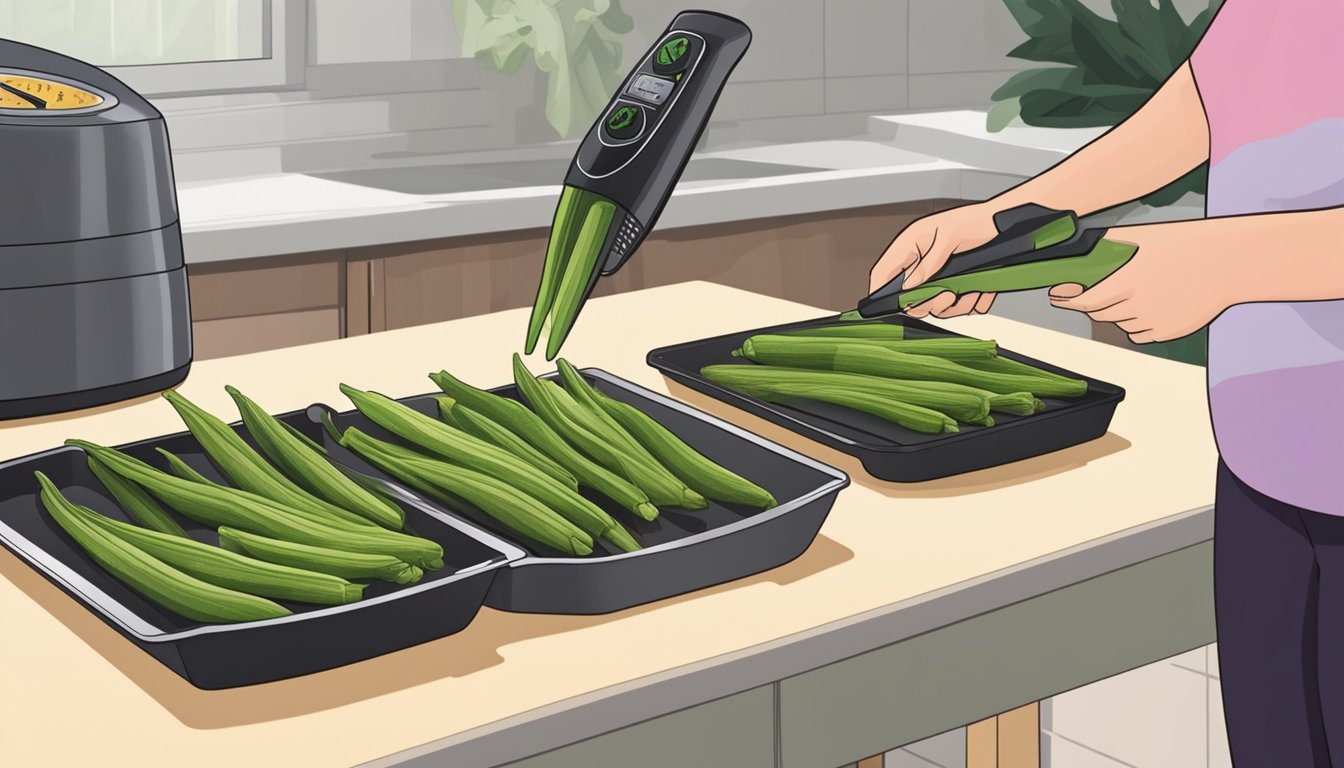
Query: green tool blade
(580, 273)
(1054, 233)
(564, 229)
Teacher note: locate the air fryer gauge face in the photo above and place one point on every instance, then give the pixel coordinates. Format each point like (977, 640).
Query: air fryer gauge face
(36, 94)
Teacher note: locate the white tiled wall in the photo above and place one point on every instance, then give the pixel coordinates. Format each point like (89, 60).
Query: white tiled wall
(398, 83)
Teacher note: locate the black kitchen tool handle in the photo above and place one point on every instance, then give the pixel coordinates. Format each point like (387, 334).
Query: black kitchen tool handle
(636, 151)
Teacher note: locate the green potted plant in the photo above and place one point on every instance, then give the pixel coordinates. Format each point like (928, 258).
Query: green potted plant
(575, 42)
(1102, 71)
(1110, 67)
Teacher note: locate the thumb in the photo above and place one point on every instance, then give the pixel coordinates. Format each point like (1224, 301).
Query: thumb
(932, 260)
(1066, 291)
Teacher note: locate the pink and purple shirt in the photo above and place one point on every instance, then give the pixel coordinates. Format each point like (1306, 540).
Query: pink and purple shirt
(1271, 77)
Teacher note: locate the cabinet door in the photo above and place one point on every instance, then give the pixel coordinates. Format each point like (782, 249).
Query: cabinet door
(820, 259)
(256, 304)
(438, 280)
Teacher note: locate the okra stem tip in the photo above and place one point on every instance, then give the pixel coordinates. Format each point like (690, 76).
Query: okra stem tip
(409, 575)
(693, 500)
(646, 511)
(352, 592)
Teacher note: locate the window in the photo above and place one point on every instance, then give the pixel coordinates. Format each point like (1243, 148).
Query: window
(170, 46)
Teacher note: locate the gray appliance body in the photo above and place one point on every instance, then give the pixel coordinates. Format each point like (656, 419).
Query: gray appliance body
(94, 306)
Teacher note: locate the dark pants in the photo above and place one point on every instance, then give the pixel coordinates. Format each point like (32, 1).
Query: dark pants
(1279, 596)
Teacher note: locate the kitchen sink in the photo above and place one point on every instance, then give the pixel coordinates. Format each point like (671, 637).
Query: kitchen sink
(456, 178)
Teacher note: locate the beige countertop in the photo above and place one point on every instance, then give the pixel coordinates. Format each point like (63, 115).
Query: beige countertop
(75, 692)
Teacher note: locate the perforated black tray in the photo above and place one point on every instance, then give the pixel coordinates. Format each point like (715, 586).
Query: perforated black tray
(211, 656)
(683, 550)
(889, 451)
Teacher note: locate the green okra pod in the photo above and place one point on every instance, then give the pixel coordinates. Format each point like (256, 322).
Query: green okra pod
(157, 581)
(522, 421)
(309, 469)
(135, 500)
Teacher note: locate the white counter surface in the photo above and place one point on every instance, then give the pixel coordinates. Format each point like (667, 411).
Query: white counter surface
(903, 158)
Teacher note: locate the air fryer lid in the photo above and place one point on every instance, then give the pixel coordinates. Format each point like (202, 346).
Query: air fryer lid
(85, 156)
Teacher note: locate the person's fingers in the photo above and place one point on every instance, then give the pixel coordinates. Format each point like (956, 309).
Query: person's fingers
(1133, 326)
(931, 259)
(1144, 337)
(1098, 297)
(963, 305)
(901, 254)
(1116, 313)
(983, 303)
(933, 306)
(1066, 291)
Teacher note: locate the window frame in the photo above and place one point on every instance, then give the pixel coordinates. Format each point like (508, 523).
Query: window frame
(281, 66)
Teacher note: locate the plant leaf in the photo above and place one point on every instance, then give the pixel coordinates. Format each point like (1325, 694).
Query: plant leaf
(1002, 114)
(1141, 23)
(1047, 25)
(1198, 26)
(617, 20)
(1045, 78)
(1174, 30)
(1057, 109)
(1064, 80)
(1106, 54)
(575, 42)
(1039, 18)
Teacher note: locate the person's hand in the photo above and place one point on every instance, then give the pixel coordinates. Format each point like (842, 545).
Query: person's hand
(922, 248)
(1171, 287)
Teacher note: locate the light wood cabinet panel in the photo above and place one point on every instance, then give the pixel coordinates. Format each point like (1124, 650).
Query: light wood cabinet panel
(239, 335)
(265, 286)
(820, 259)
(255, 304)
(447, 279)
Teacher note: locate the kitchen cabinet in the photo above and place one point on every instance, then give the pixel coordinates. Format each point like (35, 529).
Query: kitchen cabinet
(251, 305)
(821, 260)
(257, 304)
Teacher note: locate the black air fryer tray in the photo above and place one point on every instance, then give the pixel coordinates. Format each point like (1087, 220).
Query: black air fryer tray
(314, 638)
(683, 550)
(889, 451)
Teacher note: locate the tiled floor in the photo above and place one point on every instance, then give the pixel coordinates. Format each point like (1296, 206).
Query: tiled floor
(1152, 716)
(1164, 715)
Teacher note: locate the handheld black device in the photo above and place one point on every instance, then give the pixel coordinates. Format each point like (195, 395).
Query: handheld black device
(629, 162)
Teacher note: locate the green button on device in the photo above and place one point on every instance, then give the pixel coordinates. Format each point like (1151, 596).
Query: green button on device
(673, 50)
(673, 55)
(624, 122)
(622, 117)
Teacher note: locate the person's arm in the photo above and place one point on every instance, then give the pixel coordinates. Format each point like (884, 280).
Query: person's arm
(1165, 139)
(1186, 273)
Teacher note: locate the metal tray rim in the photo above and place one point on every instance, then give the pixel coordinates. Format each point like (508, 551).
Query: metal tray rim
(131, 623)
(655, 359)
